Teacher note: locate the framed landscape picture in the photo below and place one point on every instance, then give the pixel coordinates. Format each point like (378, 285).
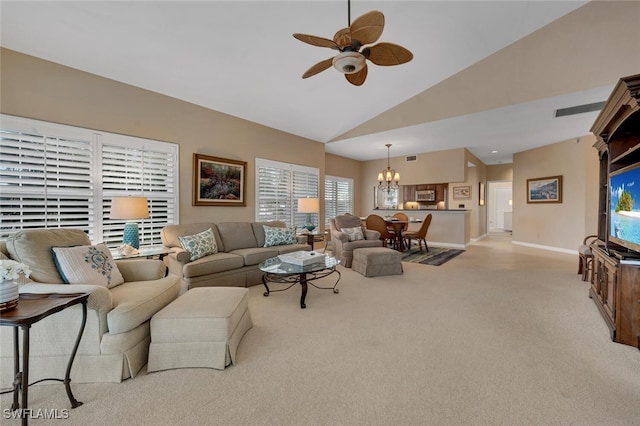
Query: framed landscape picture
(218, 181)
(461, 192)
(544, 190)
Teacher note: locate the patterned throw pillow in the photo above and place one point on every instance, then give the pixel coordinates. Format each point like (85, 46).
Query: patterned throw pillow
(276, 236)
(87, 265)
(354, 234)
(199, 245)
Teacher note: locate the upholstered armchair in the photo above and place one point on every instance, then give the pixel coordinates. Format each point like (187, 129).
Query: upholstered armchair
(347, 234)
(116, 338)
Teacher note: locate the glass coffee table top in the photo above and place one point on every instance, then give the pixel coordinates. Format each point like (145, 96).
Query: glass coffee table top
(277, 271)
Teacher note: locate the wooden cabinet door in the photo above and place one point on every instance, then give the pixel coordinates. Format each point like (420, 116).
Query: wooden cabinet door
(609, 289)
(408, 193)
(439, 192)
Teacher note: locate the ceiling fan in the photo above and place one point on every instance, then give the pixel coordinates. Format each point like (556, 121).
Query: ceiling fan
(350, 41)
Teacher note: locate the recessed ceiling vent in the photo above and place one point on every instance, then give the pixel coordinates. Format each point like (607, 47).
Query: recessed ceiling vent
(410, 158)
(579, 109)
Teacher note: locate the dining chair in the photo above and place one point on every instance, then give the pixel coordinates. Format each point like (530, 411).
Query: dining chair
(421, 234)
(377, 223)
(403, 218)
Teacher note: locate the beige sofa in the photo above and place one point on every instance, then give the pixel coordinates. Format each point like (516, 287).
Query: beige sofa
(240, 251)
(116, 338)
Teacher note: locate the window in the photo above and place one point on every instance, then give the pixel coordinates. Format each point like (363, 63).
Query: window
(61, 176)
(338, 197)
(279, 185)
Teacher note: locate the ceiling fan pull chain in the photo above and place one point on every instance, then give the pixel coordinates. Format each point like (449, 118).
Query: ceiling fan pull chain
(349, 12)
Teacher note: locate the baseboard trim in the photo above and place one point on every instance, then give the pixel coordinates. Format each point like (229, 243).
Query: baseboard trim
(550, 248)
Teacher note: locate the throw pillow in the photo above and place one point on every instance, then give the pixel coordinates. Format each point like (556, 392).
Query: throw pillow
(200, 244)
(276, 236)
(354, 234)
(87, 265)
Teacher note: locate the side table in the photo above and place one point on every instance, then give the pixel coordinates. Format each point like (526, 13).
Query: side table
(314, 237)
(31, 309)
(148, 252)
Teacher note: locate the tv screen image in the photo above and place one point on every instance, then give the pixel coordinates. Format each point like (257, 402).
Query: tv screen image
(624, 204)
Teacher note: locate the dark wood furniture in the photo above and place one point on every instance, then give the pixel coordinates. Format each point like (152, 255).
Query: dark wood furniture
(409, 192)
(398, 227)
(31, 309)
(615, 283)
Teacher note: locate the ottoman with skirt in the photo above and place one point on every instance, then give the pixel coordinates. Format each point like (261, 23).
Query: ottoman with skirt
(377, 261)
(201, 328)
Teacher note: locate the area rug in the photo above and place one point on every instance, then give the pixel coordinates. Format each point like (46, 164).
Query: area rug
(436, 256)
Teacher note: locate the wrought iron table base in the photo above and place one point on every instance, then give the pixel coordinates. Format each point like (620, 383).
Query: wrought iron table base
(303, 279)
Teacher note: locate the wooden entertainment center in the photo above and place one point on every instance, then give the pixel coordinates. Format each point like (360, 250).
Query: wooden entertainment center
(615, 281)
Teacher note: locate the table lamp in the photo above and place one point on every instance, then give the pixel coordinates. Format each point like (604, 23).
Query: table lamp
(308, 206)
(130, 209)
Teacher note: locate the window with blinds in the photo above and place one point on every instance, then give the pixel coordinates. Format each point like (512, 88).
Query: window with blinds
(338, 197)
(278, 188)
(61, 176)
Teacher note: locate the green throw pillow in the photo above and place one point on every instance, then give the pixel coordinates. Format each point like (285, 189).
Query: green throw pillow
(276, 236)
(199, 245)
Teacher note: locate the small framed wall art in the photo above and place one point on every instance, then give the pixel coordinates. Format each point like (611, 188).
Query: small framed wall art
(461, 192)
(481, 191)
(544, 190)
(218, 181)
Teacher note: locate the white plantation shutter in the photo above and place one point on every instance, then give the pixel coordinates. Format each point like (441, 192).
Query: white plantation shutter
(45, 181)
(338, 197)
(61, 176)
(145, 170)
(279, 185)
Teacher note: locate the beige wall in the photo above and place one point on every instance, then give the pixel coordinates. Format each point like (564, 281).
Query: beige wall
(42, 90)
(433, 167)
(557, 225)
(346, 168)
(500, 172)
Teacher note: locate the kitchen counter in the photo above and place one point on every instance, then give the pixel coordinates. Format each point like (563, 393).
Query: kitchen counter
(449, 228)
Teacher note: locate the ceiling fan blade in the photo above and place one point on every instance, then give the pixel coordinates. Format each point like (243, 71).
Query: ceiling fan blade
(368, 27)
(316, 41)
(358, 78)
(342, 37)
(386, 54)
(319, 67)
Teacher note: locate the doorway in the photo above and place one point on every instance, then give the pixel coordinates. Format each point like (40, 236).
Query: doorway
(499, 206)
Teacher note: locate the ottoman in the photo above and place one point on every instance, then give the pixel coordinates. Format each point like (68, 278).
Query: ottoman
(377, 261)
(201, 328)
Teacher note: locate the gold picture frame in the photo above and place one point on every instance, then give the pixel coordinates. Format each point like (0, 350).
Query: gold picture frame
(461, 192)
(544, 190)
(218, 181)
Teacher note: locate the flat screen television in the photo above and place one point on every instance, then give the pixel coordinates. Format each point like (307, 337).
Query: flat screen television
(624, 207)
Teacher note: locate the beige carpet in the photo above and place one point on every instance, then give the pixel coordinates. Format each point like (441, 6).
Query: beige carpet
(504, 335)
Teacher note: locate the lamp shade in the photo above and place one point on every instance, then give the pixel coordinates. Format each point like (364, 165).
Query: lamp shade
(308, 205)
(129, 208)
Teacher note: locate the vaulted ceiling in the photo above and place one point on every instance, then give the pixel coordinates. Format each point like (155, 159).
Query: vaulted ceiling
(486, 75)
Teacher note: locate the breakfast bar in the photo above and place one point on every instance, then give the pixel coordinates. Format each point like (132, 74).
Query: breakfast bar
(449, 228)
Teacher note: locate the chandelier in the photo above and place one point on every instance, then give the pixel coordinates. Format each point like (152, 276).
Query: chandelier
(388, 178)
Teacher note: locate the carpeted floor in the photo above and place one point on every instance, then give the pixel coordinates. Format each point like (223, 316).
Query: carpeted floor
(503, 335)
(436, 256)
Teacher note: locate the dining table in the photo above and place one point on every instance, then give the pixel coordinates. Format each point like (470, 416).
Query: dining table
(398, 227)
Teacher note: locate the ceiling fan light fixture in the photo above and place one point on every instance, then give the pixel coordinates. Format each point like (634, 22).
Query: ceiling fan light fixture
(349, 62)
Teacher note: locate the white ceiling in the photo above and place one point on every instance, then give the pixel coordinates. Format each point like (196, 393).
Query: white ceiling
(239, 57)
